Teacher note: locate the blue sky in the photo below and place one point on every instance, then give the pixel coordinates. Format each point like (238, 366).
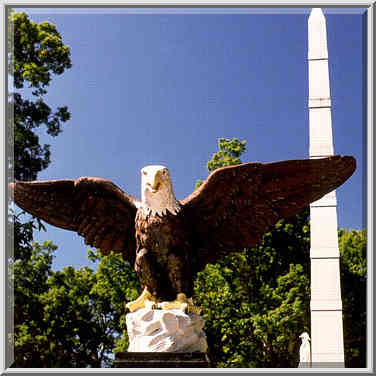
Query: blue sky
(161, 86)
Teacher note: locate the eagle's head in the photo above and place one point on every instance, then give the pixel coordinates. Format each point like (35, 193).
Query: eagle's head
(156, 190)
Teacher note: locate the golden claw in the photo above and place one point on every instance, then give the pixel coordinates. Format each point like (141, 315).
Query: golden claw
(181, 303)
(145, 300)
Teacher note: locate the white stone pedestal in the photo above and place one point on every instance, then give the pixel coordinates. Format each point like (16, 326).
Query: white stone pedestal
(172, 330)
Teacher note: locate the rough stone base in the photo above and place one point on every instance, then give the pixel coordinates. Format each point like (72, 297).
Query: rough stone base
(152, 330)
(161, 360)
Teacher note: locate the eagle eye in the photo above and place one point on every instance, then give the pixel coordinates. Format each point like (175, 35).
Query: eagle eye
(144, 172)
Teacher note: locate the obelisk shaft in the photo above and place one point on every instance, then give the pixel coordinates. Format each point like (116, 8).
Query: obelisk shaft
(326, 304)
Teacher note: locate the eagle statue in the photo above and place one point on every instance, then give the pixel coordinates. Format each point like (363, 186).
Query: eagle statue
(168, 240)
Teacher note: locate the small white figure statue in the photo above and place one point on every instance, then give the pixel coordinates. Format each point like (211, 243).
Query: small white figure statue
(305, 351)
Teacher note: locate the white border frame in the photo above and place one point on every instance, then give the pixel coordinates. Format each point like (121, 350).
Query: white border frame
(370, 176)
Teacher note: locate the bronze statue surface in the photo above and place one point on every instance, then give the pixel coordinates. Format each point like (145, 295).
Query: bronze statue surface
(169, 241)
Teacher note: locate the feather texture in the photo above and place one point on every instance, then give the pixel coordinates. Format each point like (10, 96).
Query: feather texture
(95, 208)
(236, 205)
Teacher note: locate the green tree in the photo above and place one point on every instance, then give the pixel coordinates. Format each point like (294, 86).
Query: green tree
(353, 250)
(35, 53)
(228, 155)
(116, 284)
(29, 278)
(72, 317)
(256, 302)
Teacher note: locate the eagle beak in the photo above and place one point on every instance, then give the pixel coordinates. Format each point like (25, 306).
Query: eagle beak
(154, 188)
(156, 183)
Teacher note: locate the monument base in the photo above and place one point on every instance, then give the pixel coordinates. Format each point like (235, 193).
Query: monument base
(161, 360)
(170, 330)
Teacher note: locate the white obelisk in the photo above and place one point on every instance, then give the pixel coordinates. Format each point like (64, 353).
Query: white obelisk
(326, 303)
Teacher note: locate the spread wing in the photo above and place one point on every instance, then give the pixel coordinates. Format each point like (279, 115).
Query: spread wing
(95, 208)
(236, 205)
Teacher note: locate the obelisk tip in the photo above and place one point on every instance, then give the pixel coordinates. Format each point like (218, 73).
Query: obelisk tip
(317, 44)
(316, 13)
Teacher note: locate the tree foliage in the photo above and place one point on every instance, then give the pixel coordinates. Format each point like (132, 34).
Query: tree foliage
(117, 284)
(73, 317)
(353, 251)
(35, 53)
(227, 155)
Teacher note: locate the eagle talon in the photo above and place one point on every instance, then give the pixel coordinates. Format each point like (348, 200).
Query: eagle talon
(181, 302)
(145, 300)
